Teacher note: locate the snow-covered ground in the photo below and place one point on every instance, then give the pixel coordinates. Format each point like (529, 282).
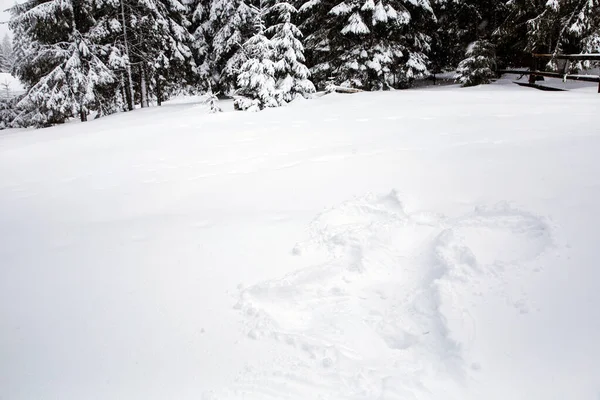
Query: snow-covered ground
(422, 244)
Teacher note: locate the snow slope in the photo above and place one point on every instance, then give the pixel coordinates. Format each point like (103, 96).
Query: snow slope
(422, 244)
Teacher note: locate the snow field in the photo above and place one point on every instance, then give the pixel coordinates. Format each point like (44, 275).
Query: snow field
(431, 244)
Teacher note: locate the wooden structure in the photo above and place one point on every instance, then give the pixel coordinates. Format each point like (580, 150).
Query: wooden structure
(341, 89)
(536, 69)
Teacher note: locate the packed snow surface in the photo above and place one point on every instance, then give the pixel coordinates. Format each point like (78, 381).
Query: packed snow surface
(421, 244)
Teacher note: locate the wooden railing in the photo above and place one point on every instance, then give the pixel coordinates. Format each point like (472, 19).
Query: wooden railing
(536, 71)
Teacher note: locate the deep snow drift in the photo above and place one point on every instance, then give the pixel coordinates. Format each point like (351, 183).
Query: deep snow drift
(422, 244)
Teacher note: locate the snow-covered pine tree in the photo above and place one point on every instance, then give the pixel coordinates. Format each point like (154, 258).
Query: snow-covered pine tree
(316, 28)
(582, 27)
(229, 25)
(460, 23)
(290, 71)
(7, 60)
(110, 27)
(152, 45)
(552, 26)
(369, 44)
(198, 15)
(58, 64)
(8, 106)
(8, 111)
(256, 79)
(212, 101)
(3, 64)
(480, 65)
(175, 67)
(586, 25)
(160, 47)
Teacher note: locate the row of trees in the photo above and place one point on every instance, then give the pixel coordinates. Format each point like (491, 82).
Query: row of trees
(96, 57)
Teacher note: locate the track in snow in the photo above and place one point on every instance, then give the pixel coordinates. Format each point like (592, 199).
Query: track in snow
(388, 314)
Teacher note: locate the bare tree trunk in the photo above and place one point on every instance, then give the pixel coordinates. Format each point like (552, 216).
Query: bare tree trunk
(129, 88)
(143, 87)
(124, 92)
(79, 98)
(158, 92)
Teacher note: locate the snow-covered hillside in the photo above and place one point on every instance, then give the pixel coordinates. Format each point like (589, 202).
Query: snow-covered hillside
(423, 244)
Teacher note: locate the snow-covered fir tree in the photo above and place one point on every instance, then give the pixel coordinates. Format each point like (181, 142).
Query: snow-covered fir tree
(95, 58)
(159, 47)
(7, 59)
(460, 23)
(59, 65)
(211, 101)
(77, 57)
(198, 15)
(108, 29)
(228, 26)
(288, 51)
(480, 65)
(153, 55)
(552, 26)
(586, 25)
(8, 107)
(367, 43)
(256, 79)
(580, 26)
(3, 66)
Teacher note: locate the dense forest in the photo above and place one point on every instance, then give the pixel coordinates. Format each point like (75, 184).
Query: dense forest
(89, 58)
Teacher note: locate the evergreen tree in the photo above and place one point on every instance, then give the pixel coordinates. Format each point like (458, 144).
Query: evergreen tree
(152, 51)
(8, 106)
(159, 46)
(551, 26)
(256, 79)
(582, 26)
(212, 101)
(198, 15)
(460, 23)
(229, 25)
(291, 72)
(59, 65)
(366, 43)
(8, 112)
(480, 65)
(8, 58)
(4, 67)
(110, 27)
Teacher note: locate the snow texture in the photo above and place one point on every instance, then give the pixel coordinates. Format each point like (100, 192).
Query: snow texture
(421, 244)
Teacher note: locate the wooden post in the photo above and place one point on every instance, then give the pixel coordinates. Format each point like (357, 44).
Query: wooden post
(532, 68)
